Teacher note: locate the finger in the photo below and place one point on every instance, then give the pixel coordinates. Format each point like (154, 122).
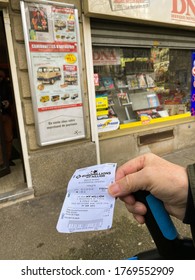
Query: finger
(129, 184)
(137, 209)
(131, 166)
(139, 219)
(129, 199)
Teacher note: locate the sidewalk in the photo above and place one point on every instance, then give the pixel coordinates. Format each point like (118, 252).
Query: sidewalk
(28, 230)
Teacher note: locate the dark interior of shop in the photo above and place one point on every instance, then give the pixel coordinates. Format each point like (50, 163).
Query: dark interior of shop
(10, 169)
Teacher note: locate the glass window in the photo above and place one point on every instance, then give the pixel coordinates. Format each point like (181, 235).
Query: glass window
(137, 86)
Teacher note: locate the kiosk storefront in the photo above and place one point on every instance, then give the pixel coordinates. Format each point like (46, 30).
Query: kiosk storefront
(143, 76)
(133, 92)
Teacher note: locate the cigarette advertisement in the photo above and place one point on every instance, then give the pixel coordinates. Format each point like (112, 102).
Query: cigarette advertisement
(53, 54)
(193, 86)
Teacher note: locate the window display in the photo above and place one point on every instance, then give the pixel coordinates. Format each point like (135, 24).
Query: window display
(135, 86)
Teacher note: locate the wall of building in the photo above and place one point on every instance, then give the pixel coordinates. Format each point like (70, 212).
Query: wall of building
(159, 140)
(53, 165)
(4, 3)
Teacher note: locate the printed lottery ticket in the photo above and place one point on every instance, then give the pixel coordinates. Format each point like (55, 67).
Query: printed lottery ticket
(87, 205)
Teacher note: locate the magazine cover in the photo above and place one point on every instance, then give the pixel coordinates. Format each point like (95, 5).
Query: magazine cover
(152, 100)
(96, 79)
(150, 79)
(70, 75)
(108, 82)
(110, 99)
(99, 86)
(123, 98)
(132, 82)
(142, 81)
(120, 82)
(150, 113)
(64, 24)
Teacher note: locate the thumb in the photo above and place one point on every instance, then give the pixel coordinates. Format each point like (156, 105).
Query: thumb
(128, 184)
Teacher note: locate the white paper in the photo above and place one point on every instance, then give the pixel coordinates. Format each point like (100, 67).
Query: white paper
(87, 205)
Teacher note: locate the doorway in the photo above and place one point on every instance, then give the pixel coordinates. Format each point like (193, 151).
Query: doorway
(12, 175)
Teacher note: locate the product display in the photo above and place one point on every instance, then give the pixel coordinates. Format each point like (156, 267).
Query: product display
(140, 84)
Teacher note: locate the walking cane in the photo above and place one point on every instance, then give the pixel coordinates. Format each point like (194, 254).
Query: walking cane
(169, 245)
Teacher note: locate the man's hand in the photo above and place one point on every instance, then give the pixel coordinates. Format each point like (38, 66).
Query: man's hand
(165, 180)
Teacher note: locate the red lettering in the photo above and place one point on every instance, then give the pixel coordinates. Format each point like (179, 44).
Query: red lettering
(112, 55)
(191, 7)
(96, 55)
(186, 7)
(105, 55)
(102, 55)
(179, 9)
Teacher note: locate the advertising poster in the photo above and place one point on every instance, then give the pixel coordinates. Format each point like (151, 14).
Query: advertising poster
(53, 54)
(193, 85)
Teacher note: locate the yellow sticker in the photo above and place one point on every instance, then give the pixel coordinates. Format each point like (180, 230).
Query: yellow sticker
(70, 58)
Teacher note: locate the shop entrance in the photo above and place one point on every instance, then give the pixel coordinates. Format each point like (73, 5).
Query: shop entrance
(12, 176)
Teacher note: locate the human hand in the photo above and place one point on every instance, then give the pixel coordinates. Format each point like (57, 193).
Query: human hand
(163, 179)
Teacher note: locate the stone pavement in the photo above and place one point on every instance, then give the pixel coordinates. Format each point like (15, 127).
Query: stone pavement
(28, 230)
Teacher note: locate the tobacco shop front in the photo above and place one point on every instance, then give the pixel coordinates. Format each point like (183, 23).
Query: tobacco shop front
(93, 82)
(143, 76)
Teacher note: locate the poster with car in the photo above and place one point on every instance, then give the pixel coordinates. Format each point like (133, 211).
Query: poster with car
(64, 24)
(54, 63)
(56, 80)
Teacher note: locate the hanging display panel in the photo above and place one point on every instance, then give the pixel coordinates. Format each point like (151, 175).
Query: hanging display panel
(51, 32)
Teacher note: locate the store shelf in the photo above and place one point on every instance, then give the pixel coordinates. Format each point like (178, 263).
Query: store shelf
(137, 127)
(153, 121)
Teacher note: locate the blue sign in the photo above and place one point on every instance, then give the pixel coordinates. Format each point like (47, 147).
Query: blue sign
(193, 85)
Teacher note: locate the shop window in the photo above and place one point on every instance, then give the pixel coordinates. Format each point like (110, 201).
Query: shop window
(138, 86)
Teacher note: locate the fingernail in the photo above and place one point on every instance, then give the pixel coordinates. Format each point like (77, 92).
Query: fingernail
(113, 189)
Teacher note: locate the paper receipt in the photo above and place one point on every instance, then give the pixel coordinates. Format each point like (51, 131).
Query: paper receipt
(87, 205)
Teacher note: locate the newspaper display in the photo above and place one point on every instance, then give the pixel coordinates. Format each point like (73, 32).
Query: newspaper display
(52, 43)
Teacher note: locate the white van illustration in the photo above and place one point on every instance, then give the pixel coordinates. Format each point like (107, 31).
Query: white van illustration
(59, 24)
(48, 74)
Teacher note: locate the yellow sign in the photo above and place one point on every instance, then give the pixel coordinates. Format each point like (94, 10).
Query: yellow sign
(102, 112)
(70, 58)
(102, 102)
